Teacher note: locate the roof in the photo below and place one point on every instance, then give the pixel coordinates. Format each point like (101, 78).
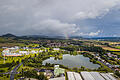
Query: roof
(87, 76)
(74, 76)
(70, 76)
(77, 76)
(97, 76)
(59, 78)
(107, 76)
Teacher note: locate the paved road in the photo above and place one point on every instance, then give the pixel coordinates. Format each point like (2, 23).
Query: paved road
(106, 65)
(13, 72)
(5, 73)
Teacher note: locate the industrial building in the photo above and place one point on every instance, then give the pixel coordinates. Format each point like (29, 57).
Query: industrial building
(89, 76)
(59, 78)
(74, 76)
(107, 76)
(96, 76)
(58, 71)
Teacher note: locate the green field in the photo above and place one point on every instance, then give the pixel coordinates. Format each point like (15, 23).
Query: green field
(118, 47)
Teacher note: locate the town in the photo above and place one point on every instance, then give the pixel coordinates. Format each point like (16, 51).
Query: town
(47, 60)
(60, 40)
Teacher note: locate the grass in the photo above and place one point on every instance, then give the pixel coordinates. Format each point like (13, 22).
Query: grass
(20, 68)
(4, 78)
(10, 60)
(108, 48)
(117, 53)
(4, 69)
(118, 47)
(10, 44)
(104, 66)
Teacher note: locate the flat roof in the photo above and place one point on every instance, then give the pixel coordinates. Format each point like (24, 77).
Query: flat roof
(87, 76)
(97, 76)
(104, 75)
(107, 76)
(70, 76)
(110, 76)
(77, 76)
(59, 78)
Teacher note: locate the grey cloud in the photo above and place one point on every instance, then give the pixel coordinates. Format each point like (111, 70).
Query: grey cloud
(51, 17)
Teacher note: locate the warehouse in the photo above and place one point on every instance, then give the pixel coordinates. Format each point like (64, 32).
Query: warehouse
(97, 76)
(87, 76)
(107, 76)
(70, 76)
(111, 77)
(73, 76)
(77, 76)
(59, 78)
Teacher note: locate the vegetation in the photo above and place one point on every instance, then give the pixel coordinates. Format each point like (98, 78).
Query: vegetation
(34, 61)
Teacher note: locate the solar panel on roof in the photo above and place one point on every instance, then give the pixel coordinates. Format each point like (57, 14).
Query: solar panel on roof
(111, 77)
(59, 78)
(97, 76)
(77, 76)
(70, 76)
(87, 76)
(106, 77)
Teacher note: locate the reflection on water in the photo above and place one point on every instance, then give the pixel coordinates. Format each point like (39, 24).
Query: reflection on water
(72, 61)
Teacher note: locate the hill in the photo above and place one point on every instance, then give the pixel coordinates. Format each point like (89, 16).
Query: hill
(8, 35)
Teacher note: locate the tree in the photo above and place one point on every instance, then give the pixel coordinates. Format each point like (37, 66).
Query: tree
(42, 77)
(17, 62)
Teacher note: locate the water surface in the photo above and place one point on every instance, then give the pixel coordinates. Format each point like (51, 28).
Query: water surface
(73, 61)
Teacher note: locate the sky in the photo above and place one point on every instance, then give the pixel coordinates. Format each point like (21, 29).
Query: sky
(88, 18)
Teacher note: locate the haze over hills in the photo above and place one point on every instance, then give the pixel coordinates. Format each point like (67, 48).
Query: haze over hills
(60, 40)
(8, 35)
(60, 37)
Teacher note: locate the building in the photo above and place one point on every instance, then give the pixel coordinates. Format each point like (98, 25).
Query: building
(107, 76)
(74, 76)
(23, 52)
(89, 76)
(33, 51)
(58, 78)
(56, 49)
(58, 71)
(10, 52)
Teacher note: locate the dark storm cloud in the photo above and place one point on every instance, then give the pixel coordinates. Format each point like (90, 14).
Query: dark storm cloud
(53, 17)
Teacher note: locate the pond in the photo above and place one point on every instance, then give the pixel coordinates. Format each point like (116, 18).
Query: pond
(73, 61)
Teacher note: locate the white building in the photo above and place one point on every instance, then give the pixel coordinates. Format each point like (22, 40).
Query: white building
(59, 78)
(23, 52)
(33, 51)
(56, 49)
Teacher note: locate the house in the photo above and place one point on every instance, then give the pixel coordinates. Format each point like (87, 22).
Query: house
(16, 47)
(116, 66)
(4, 47)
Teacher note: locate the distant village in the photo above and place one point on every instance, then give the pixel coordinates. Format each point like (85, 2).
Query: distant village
(59, 73)
(17, 51)
(108, 64)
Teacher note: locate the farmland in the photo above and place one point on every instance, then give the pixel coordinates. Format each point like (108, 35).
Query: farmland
(38, 50)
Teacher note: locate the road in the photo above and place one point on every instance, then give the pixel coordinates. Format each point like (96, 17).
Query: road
(106, 65)
(13, 72)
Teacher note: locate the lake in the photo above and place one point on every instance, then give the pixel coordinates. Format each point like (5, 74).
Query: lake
(73, 61)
